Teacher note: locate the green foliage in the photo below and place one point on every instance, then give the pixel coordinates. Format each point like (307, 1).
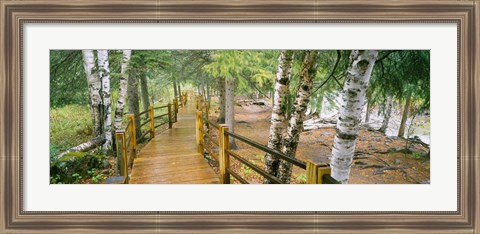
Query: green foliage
(302, 178)
(53, 151)
(246, 170)
(75, 166)
(69, 126)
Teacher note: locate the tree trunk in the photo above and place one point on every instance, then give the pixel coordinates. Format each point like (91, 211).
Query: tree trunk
(352, 100)
(179, 89)
(123, 90)
(94, 86)
(221, 99)
(144, 89)
(295, 124)
(175, 91)
(133, 99)
(277, 122)
(388, 113)
(230, 108)
(209, 97)
(104, 74)
(401, 130)
(84, 147)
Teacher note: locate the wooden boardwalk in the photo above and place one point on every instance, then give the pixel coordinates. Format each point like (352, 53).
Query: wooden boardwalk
(171, 157)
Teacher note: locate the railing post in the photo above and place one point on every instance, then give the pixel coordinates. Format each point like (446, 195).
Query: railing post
(169, 115)
(121, 154)
(133, 131)
(315, 172)
(152, 122)
(199, 130)
(224, 144)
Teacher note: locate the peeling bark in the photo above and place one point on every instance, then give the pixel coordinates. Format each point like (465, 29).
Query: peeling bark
(277, 122)
(295, 124)
(104, 74)
(352, 100)
(123, 90)
(94, 87)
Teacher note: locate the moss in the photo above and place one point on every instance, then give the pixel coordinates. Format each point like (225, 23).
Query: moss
(68, 168)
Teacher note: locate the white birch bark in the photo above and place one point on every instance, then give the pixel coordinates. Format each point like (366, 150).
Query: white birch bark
(277, 122)
(94, 87)
(104, 74)
(295, 124)
(388, 113)
(349, 119)
(123, 90)
(84, 147)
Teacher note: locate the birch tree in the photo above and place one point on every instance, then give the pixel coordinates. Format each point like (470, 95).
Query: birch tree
(277, 122)
(94, 87)
(352, 100)
(388, 113)
(295, 124)
(123, 89)
(104, 74)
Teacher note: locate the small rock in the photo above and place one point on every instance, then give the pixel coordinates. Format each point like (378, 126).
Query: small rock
(376, 139)
(105, 171)
(398, 161)
(326, 134)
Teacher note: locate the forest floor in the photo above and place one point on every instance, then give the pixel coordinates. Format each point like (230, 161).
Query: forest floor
(379, 159)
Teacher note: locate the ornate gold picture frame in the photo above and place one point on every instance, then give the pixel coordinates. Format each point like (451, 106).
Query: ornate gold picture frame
(14, 14)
